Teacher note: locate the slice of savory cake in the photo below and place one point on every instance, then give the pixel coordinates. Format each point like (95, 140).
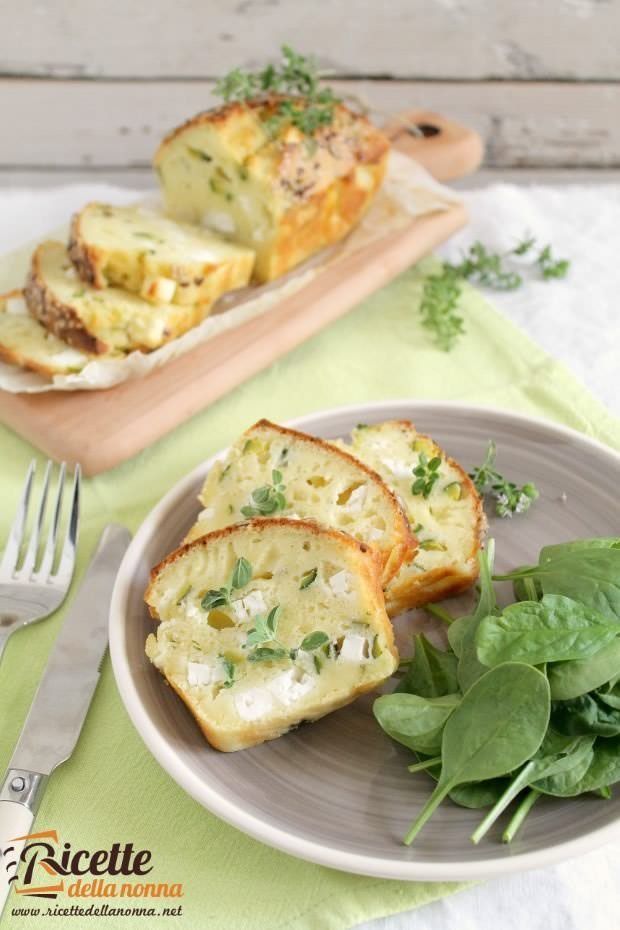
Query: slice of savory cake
(274, 471)
(443, 507)
(267, 624)
(253, 176)
(24, 342)
(150, 255)
(98, 321)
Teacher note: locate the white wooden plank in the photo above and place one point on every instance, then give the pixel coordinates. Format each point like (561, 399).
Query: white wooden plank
(118, 124)
(142, 179)
(468, 39)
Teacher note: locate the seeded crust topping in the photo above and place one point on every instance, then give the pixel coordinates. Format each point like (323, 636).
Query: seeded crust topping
(57, 317)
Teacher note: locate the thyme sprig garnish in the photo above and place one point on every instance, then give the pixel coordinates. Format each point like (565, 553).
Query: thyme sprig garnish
(509, 497)
(221, 597)
(267, 499)
(309, 104)
(439, 306)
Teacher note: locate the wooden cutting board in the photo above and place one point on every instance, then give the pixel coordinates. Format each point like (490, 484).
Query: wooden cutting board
(100, 429)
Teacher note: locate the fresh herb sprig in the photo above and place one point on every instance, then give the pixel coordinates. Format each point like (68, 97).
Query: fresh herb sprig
(509, 497)
(426, 474)
(230, 669)
(439, 306)
(220, 597)
(309, 104)
(267, 499)
(265, 645)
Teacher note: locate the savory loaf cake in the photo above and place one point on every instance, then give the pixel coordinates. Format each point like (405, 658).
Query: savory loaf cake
(250, 174)
(24, 342)
(443, 507)
(257, 633)
(98, 321)
(273, 471)
(146, 253)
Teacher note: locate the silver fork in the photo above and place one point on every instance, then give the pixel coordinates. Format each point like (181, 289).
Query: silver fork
(31, 590)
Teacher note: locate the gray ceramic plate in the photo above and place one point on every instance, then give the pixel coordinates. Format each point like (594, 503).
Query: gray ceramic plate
(337, 792)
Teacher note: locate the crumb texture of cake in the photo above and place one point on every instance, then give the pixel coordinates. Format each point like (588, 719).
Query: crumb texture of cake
(444, 510)
(24, 342)
(149, 254)
(99, 321)
(275, 471)
(264, 184)
(267, 624)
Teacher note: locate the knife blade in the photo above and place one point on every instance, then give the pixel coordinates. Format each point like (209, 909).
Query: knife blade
(61, 702)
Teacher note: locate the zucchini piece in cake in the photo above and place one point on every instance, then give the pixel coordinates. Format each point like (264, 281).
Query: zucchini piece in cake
(255, 637)
(443, 507)
(98, 321)
(247, 172)
(24, 342)
(274, 471)
(150, 255)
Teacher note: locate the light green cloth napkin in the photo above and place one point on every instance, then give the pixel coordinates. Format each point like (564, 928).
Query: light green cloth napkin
(111, 789)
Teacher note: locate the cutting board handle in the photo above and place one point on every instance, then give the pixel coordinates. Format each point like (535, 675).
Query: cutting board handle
(445, 148)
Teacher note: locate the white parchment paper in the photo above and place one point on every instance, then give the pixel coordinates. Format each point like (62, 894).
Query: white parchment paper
(409, 191)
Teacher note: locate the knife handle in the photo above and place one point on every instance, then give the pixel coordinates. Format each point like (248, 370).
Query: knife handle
(20, 795)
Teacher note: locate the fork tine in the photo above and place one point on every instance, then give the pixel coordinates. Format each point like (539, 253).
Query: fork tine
(13, 545)
(52, 535)
(67, 559)
(33, 545)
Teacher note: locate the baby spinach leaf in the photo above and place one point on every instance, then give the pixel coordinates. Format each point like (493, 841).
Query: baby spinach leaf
(587, 714)
(479, 794)
(432, 672)
(562, 779)
(487, 602)
(414, 721)
(590, 575)
(464, 637)
(604, 768)
(552, 630)
(472, 795)
(527, 589)
(456, 634)
(499, 725)
(557, 755)
(572, 679)
(549, 553)
(609, 694)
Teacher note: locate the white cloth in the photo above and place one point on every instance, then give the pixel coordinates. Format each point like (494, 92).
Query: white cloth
(576, 320)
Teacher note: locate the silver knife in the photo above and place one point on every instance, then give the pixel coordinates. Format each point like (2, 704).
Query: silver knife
(60, 705)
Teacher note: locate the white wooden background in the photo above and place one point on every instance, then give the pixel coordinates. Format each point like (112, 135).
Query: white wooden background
(89, 86)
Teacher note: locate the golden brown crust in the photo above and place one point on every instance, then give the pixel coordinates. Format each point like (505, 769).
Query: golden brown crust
(407, 546)
(438, 583)
(57, 317)
(85, 258)
(377, 147)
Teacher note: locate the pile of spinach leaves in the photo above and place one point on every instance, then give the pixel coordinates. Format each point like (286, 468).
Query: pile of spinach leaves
(526, 700)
